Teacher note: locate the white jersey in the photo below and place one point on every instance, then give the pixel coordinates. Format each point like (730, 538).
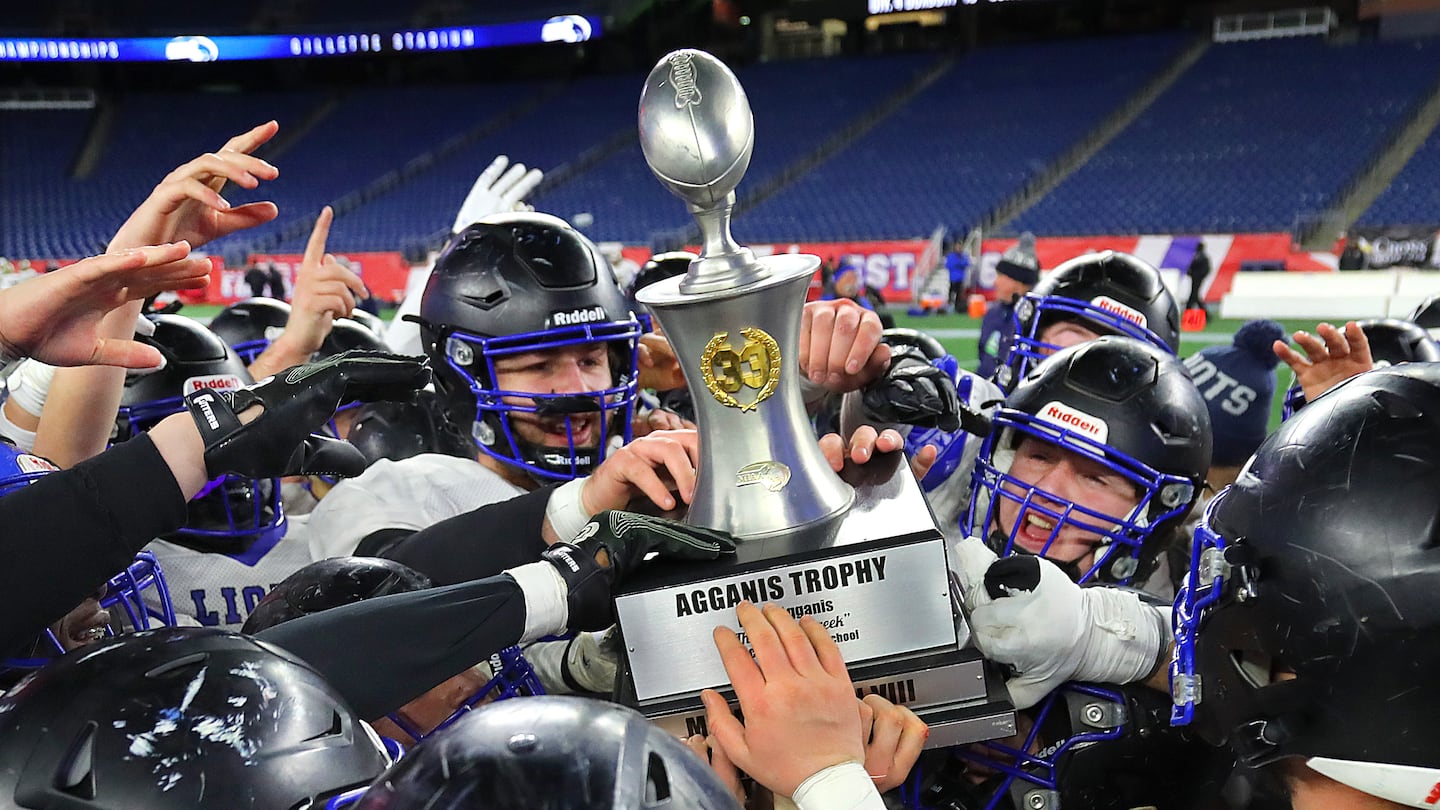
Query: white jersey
(220, 590)
(412, 494)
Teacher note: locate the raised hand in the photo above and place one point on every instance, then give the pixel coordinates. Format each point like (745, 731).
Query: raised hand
(1331, 357)
(55, 318)
(187, 205)
(496, 190)
(325, 290)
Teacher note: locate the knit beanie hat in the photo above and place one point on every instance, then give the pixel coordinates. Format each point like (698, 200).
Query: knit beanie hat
(1238, 383)
(1019, 262)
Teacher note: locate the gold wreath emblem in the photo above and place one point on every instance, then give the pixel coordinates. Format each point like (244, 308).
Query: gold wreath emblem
(755, 365)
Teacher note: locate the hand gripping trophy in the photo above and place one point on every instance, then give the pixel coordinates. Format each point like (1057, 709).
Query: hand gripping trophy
(858, 551)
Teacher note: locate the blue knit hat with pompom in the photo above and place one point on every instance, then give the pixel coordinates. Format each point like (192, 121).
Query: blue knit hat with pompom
(1238, 383)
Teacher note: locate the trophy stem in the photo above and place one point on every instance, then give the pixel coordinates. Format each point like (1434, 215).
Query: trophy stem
(723, 264)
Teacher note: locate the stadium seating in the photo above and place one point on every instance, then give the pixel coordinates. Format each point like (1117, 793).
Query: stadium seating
(1413, 197)
(1252, 136)
(965, 143)
(1247, 139)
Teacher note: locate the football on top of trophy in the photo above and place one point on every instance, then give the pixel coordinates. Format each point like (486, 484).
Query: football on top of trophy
(695, 127)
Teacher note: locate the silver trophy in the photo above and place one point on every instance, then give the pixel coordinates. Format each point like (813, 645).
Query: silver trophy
(859, 551)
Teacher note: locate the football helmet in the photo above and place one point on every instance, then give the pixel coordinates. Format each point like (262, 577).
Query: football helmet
(949, 444)
(1309, 623)
(518, 283)
(1109, 292)
(658, 268)
(124, 596)
(399, 430)
(1084, 747)
(250, 326)
(1427, 316)
(1119, 403)
(345, 580)
(369, 320)
(1392, 342)
(230, 513)
(550, 752)
(181, 718)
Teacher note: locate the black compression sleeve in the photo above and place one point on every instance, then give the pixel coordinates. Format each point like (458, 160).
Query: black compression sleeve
(70, 531)
(480, 543)
(384, 652)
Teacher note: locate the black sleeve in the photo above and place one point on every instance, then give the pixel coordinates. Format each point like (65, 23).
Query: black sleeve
(70, 531)
(384, 652)
(477, 544)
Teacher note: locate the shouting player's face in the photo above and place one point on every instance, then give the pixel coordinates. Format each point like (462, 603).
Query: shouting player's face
(563, 370)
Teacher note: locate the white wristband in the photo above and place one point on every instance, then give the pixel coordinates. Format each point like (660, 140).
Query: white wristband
(566, 511)
(547, 610)
(839, 787)
(30, 385)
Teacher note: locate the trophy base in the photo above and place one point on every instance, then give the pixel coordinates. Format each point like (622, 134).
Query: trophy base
(957, 693)
(876, 577)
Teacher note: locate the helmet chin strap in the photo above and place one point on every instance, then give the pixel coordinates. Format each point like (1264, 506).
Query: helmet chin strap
(566, 405)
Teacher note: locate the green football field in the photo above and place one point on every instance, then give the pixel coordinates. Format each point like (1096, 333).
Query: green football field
(960, 335)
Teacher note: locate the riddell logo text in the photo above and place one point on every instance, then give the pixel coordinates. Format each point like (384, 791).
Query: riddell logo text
(575, 317)
(1077, 421)
(1114, 307)
(213, 382)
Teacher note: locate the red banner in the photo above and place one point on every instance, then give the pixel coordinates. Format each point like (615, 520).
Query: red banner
(384, 273)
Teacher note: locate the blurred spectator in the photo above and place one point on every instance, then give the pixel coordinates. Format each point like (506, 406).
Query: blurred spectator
(1017, 271)
(276, 282)
(1198, 272)
(257, 279)
(957, 266)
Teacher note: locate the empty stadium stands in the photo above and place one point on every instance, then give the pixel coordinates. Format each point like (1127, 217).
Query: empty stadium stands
(1252, 136)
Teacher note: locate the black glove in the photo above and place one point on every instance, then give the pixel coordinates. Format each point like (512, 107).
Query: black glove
(297, 401)
(913, 392)
(625, 538)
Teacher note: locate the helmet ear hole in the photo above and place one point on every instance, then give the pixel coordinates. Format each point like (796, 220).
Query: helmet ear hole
(657, 783)
(76, 774)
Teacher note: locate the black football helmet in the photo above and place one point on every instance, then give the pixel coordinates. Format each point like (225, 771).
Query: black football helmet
(1123, 404)
(518, 283)
(399, 430)
(231, 513)
(1392, 342)
(658, 268)
(349, 333)
(1309, 624)
(550, 752)
(369, 320)
(1084, 747)
(1427, 315)
(180, 718)
(342, 581)
(250, 326)
(1109, 292)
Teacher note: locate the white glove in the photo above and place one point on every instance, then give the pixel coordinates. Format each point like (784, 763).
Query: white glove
(496, 190)
(585, 663)
(1025, 612)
